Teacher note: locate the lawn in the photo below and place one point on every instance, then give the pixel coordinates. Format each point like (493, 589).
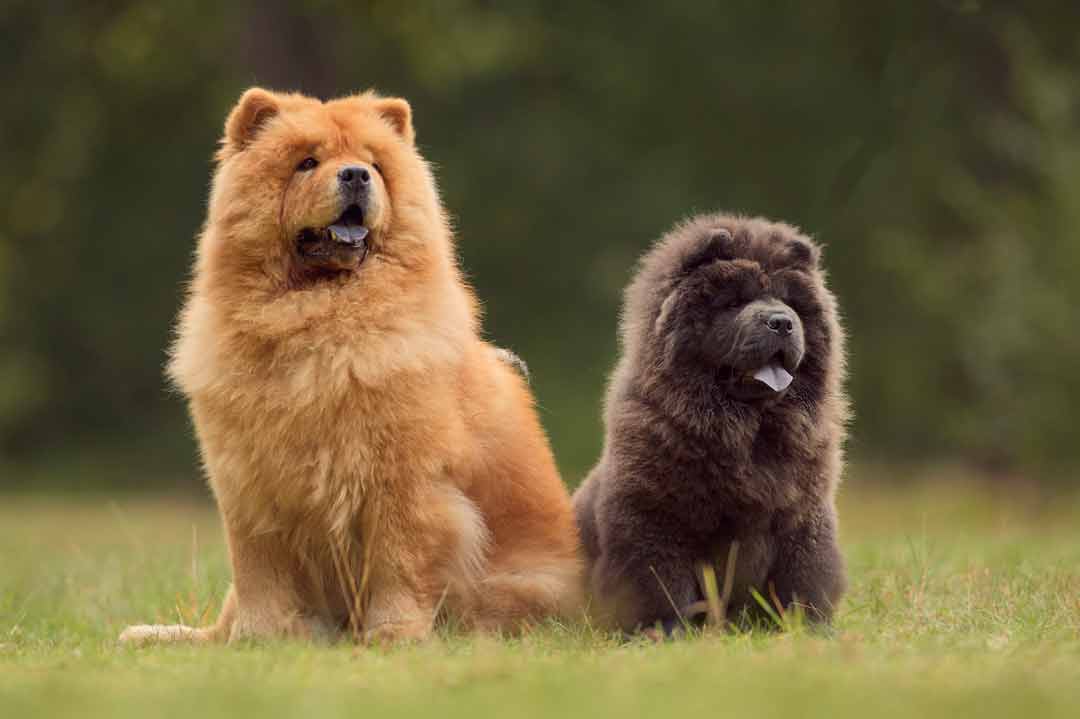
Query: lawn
(964, 600)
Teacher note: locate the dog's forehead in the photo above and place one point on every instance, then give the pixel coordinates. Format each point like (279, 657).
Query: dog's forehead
(335, 127)
(357, 118)
(303, 125)
(741, 271)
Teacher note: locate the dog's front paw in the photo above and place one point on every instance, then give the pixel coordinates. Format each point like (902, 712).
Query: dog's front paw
(397, 632)
(264, 625)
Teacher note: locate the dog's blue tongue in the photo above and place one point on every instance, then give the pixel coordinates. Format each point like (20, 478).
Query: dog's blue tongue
(350, 233)
(775, 376)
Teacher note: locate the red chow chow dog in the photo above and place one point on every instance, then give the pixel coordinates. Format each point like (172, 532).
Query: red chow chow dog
(375, 461)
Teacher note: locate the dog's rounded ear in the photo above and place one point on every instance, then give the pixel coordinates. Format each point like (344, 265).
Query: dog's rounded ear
(255, 108)
(716, 243)
(799, 253)
(397, 112)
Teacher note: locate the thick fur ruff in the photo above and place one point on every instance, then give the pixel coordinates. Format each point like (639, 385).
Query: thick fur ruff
(374, 461)
(688, 469)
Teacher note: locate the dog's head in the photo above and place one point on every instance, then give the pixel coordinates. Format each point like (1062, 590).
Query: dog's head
(741, 300)
(307, 191)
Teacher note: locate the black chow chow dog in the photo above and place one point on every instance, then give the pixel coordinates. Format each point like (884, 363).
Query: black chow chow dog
(725, 420)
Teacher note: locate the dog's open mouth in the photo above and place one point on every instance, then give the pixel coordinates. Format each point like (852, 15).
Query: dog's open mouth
(774, 376)
(343, 244)
(768, 380)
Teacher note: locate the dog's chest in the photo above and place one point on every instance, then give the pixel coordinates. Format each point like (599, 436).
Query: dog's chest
(280, 451)
(724, 498)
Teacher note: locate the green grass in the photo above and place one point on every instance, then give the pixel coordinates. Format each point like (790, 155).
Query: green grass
(964, 600)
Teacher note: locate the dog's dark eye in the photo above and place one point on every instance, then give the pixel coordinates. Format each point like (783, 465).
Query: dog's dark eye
(378, 168)
(308, 163)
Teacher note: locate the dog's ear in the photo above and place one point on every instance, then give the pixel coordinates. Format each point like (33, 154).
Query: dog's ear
(716, 243)
(397, 112)
(797, 253)
(255, 108)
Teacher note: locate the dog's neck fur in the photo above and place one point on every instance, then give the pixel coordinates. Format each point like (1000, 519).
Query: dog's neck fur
(312, 327)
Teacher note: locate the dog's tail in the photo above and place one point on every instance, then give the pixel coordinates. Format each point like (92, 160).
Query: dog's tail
(511, 358)
(508, 601)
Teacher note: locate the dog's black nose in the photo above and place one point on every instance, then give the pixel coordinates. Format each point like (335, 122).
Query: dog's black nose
(354, 176)
(780, 323)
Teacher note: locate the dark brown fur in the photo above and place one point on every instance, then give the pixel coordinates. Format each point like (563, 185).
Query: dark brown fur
(690, 464)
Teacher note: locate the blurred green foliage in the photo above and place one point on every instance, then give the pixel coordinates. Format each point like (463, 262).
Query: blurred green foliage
(933, 147)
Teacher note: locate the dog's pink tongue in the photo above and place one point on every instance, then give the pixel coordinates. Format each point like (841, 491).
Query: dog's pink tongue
(348, 233)
(775, 376)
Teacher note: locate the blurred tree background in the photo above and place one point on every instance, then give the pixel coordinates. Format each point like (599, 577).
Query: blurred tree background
(934, 147)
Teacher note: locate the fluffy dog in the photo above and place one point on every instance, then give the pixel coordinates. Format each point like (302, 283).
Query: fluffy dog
(724, 423)
(373, 460)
